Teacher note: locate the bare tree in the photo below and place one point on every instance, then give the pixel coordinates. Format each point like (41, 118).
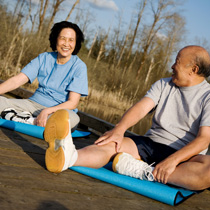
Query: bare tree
(116, 43)
(16, 9)
(42, 13)
(92, 45)
(102, 49)
(23, 41)
(124, 46)
(56, 5)
(17, 16)
(176, 29)
(141, 10)
(136, 54)
(74, 5)
(9, 55)
(160, 15)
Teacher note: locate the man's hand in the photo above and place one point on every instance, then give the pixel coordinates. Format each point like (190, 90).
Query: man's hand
(111, 136)
(164, 169)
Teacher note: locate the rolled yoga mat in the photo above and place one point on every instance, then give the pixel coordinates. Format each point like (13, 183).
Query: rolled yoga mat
(33, 130)
(164, 193)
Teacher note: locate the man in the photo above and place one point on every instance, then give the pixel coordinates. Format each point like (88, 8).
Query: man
(176, 143)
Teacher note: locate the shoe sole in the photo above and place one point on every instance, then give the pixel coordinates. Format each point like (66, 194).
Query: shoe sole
(57, 128)
(115, 161)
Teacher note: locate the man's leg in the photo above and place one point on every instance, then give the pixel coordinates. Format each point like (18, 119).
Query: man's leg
(193, 174)
(62, 153)
(95, 156)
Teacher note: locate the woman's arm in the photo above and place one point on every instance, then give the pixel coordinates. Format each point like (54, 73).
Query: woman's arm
(13, 83)
(70, 104)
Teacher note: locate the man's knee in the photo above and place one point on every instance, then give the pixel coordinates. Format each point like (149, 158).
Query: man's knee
(204, 173)
(107, 148)
(129, 146)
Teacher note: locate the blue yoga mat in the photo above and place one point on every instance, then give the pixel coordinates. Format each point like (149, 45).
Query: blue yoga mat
(33, 130)
(155, 190)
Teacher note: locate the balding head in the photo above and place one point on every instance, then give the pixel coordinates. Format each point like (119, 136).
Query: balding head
(200, 57)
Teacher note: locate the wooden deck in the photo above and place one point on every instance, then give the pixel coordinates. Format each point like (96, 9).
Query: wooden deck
(26, 184)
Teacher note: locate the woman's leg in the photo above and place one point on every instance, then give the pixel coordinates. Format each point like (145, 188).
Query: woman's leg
(20, 105)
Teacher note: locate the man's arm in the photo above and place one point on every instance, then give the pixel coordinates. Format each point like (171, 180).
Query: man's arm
(130, 118)
(165, 168)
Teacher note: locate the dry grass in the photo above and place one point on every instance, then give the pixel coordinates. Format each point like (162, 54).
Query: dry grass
(110, 99)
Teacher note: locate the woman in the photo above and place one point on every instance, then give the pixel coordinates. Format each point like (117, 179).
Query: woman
(62, 78)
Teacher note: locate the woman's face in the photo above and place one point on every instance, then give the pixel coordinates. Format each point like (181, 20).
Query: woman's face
(66, 43)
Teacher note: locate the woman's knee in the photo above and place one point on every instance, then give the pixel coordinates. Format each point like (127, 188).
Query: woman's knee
(3, 103)
(74, 119)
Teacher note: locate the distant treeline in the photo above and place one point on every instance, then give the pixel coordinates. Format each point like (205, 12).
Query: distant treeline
(124, 60)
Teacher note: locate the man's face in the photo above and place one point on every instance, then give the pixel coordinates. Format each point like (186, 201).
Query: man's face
(182, 69)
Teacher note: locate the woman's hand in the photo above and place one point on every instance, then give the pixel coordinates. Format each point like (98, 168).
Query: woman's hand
(41, 119)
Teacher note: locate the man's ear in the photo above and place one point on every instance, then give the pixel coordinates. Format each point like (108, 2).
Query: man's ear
(195, 69)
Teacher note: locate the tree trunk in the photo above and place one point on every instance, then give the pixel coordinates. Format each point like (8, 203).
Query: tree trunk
(56, 6)
(17, 68)
(102, 47)
(42, 13)
(158, 15)
(74, 5)
(142, 7)
(93, 43)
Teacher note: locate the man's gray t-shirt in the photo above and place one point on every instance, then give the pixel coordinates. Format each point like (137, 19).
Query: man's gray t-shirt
(179, 113)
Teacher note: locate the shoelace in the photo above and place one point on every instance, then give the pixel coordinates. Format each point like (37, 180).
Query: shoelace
(148, 174)
(139, 170)
(135, 169)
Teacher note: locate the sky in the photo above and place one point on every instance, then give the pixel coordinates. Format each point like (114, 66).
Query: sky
(195, 12)
(106, 14)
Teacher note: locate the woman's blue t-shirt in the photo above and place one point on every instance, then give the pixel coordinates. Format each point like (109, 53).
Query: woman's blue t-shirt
(55, 80)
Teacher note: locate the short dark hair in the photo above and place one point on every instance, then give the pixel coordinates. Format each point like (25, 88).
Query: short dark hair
(204, 66)
(56, 29)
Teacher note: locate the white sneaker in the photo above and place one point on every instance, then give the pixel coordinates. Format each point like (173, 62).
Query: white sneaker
(126, 164)
(12, 114)
(61, 153)
(24, 117)
(8, 113)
